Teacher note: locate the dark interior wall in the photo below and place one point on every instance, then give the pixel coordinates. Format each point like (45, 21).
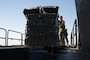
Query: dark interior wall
(83, 14)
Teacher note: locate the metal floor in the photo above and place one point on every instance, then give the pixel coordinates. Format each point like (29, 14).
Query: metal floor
(62, 54)
(21, 53)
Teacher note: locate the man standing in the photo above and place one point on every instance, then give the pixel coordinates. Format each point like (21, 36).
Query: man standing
(63, 32)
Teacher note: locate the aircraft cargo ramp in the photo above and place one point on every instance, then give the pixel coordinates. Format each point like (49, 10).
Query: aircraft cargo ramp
(21, 53)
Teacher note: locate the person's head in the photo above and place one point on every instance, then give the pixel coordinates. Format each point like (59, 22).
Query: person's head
(61, 17)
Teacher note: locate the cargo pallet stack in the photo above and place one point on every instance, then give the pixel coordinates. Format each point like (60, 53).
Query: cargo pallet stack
(42, 26)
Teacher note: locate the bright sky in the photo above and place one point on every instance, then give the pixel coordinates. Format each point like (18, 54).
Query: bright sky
(12, 17)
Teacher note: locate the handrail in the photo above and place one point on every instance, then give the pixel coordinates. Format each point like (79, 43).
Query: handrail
(5, 35)
(74, 34)
(15, 38)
